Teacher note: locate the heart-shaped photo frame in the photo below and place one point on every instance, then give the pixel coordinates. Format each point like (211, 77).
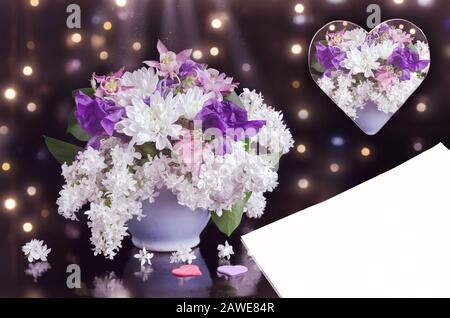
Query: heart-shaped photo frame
(369, 75)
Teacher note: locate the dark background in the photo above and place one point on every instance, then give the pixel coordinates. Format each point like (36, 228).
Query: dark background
(259, 33)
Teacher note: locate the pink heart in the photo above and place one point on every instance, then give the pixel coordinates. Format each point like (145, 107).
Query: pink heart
(186, 271)
(369, 75)
(232, 270)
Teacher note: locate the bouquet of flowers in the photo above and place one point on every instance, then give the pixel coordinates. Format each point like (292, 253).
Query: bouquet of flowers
(384, 66)
(175, 124)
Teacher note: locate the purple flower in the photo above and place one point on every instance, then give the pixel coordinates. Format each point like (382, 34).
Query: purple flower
(211, 80)
(97, 117)
(407, 60)
(329, 57)
(230, 119)
(189, 68)
(169, 62)
(109, 85)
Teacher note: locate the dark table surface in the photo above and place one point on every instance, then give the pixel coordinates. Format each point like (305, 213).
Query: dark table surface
(123, 276)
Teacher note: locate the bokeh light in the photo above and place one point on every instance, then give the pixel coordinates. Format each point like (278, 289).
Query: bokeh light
(216, 23)
(334, 167)
(10, 93)
(76, 37)
(214, 51)
(10, 204)
(136, 46)
(27, 70)
(103, 55)
(421, 107)
(365, 151)
(303, 114)
(303, 183)
(121, 3)
(6, 166)
(27, 227)
(301, 148)
(299, 8)
(296, 49)
(197, 54)
(107, 25)
(31, 191)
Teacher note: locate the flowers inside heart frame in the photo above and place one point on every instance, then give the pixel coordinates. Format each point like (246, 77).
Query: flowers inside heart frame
(369, 75)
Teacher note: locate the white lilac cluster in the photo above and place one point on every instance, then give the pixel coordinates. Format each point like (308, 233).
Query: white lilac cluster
(156, 132)
(384, 67)
(36, 250)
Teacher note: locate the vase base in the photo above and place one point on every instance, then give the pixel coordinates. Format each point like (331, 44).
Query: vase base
(165, 246)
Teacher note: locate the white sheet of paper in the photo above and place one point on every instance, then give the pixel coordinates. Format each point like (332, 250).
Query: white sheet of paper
(387, 237)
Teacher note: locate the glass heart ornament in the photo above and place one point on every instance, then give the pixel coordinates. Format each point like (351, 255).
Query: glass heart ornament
(369, 75)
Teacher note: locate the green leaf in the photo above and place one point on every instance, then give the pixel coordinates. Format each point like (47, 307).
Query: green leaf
(75, 130)
(412, 47)
(89, 91)
(234, 98)
(316, 65)
(231, 219)
(247, 144)
(61, 150)
(148, 149)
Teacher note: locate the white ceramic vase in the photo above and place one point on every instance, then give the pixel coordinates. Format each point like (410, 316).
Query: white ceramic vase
(167, 225)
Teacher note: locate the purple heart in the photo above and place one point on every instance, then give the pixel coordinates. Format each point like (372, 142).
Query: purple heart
(232, 270)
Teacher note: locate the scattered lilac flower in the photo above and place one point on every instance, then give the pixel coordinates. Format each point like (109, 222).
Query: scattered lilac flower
(329, 57)
(36, 250)
(144, 273)
(97, 116)
(225, 251)
(169, 63)
(37, 269)
(211, 80)
(144, 257)
(407, 61)
(174, 258)
(184, 255)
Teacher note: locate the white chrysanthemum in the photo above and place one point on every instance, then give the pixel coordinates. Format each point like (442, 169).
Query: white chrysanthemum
(354, 38)
(255, 205)
(385, 49)
(192, 102)
(143, 83)
(154, 123)
(326, 84)
(361, 60)
(36, 250)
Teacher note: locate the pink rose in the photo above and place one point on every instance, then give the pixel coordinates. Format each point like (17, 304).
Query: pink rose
(190, 151)
(385, 77)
